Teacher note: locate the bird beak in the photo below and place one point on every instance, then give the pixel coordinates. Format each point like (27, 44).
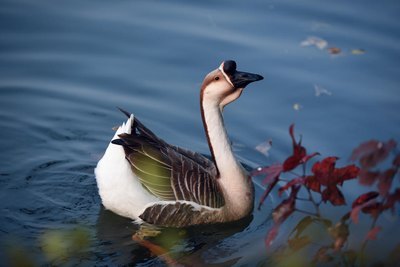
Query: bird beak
(241, 79)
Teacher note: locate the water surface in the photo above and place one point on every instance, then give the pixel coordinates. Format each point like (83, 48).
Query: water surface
(65, 66)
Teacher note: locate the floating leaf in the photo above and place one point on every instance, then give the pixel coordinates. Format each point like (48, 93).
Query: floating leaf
(334, 50)
(358, 51)
(264, 147)
(321, 91)
(315, 41)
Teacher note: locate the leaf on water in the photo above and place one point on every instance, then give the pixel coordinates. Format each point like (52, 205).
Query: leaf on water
(371, 235)
(315, 41)
(334, 50)
(264, 147)
(358, 51)
(321, 91)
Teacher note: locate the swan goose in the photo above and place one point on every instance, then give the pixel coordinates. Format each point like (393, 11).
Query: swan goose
(146, 179)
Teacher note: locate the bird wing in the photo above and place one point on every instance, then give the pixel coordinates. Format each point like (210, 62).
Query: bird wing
(177, 214)
(169, 172)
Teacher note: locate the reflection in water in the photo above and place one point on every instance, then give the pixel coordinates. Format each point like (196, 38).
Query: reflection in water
(188, 246)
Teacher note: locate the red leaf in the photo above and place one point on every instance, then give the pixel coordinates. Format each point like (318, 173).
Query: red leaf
(312, 183)
(346, 173)
(283, 210)
(385, 181)
(372, 152)
(367, 177)
(323, 170)
(374, 209)
(333, 195)
(356, 210)
(272, 234)
(296, 181)
(272, 173)
(308, 157)
(365, 198)
(371, 235)
(291, 163)
(299, 152)
(286, 208)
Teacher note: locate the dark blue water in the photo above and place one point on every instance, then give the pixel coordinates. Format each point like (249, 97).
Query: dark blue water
(66, 65)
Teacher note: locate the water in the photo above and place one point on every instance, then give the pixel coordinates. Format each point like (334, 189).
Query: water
(65, 66)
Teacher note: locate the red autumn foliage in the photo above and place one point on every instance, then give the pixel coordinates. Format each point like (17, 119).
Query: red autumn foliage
(325, 181)
(299, 152)
(365, 198)
(372, 152)
(326, 174)
(286, 208)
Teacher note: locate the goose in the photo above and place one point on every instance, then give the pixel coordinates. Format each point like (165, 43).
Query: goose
(142, 177)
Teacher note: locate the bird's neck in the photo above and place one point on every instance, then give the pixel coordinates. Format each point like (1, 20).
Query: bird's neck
(232, 177)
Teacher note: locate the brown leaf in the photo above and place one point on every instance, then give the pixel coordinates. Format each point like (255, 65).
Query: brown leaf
(334, 50)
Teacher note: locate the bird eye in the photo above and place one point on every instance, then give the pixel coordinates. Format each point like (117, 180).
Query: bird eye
(216, 78)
